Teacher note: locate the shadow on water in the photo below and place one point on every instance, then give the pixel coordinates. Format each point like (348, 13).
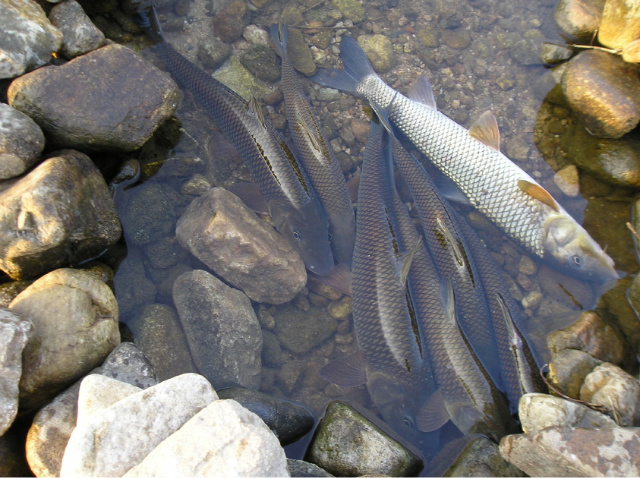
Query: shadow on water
(477, 61)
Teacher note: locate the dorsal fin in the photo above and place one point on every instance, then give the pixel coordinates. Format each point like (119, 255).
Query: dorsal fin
(405, 259)
(300, 123)
(444, 230)
(538, 192)
(254, 107)
(485, 129)
(422, 92)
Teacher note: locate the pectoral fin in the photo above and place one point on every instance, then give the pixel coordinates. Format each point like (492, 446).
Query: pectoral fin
(422, 92)
(538, 192)
(486, 130)
(346, 371)
(433, 414)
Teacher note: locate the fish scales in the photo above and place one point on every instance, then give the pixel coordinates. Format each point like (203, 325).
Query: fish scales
(316, 155)
(382, 323)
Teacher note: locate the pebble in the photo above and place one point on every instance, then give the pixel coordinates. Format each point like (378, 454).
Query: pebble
(27, 37)
(604, 92)
(224, 234)
(300, 53)
(568, 181)
(221, 328)
(80, 35)
(379, 50)
(54, 96)
(60, 213)
(21, 142)
(14, 333)
(347, 444)
(349, 10)
(75, 326)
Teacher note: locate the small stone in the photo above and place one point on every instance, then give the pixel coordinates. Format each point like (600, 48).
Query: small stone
(553, 54)
(79, 34)
(230, 22)
(568, 180)
(458, 39)
(128, 364)
(262, 62)
(379, 50)
(350, 9)
(213, 53)
(347, 444)
(615, 389)
(197, 185)
(300, 331)
(340, 309)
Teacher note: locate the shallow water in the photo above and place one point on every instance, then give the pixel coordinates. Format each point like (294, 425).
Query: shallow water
(476, 65)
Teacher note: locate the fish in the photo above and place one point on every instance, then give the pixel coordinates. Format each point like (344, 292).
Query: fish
(465, 393)
(489, 181)
(316, 155)
(291, 200)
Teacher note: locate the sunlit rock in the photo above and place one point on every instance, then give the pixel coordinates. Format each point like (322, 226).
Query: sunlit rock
(98, 392)
(539, 410)
(604, 92)
(60, 213)
(128, 364)
(27, 38)
(107, 100)
(111, 441)
(347, 444)
(158, 333)
(75, 326)
(379, 50)
(224, 439)
(80, 35)
(223, 233)
(568, 368)
(579, 18)
(620, 23)
(565, 451)
(288, 420)
(14, 333)
(222, 329)
(21, 142)
(615, 389)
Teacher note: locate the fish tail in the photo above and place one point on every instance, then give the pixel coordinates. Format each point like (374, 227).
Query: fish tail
(356, 68)
(147, 20)
(280, 37)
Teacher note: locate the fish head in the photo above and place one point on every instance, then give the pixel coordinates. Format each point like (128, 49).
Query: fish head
(571, 247)
(306, 230)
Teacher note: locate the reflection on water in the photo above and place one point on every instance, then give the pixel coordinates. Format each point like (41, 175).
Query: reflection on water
(479, 55)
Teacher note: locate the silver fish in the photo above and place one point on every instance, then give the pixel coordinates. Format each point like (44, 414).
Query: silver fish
(316, 155)
(491, 182)
(291, 200)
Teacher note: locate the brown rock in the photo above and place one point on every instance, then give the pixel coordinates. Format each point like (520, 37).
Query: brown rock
(568, 368)
(230, 22)
(579, 18)
(604, 92)
(620, 23)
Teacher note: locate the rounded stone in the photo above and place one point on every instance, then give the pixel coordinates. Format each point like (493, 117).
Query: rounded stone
(21, 142)
(379, 50)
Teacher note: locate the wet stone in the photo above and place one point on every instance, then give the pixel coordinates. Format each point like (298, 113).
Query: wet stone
(350, 9)
(539, 410)
(347, 444)
(79, 34)
(261, 61)
(213, 53)
(230, 22)
(568, 181)
(566, 451)
(287, 419)
(379, 50)
(128, 364)
(300, 53)
(620, 23)
(224, 234)
(304, 469)
(222, 330)
(149, 214)
(75, 107)
(271, 350)
(27, 37)
(568, 369)
(579, 18)
(60, 213)
(14, 333)
(615, 389)
(553, 54)
(480, 457)
(133, 290)
(604, 92)
(300, 331)
(21, 142)
(623, 302)
(157, 332)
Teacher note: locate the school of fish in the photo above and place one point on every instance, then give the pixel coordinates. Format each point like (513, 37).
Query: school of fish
(443, 346)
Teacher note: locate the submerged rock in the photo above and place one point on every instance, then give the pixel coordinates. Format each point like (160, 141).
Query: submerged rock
(80, 35)
(230, 22)
(107, 100)
(223, 439)
(27, 37)
(247, 253)
(75, 326)
(110, 441)
(60, 213)
(222, 330)
(300, 331)
(21, 142)
(14, 333)
(379, 50)
(347, 444)
(566, 451)
(604, 92)
(479, 456)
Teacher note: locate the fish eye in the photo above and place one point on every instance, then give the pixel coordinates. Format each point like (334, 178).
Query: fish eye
(296, 235)
(576, 261)
(407, 422)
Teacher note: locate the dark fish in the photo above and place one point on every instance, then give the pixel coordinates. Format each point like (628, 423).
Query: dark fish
(316, 155)
(291, 200)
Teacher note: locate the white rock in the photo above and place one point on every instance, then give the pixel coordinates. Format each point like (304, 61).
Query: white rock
(224, 439)
(115, 439)
(98, 392)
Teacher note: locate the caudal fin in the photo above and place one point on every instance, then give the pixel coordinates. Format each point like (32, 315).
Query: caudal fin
(280, 37)
(147, 20)
(356, 68)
